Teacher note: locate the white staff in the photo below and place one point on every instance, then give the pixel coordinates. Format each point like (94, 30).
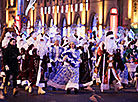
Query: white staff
(103, 73)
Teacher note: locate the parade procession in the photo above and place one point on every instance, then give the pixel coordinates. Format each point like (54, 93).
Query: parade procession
(41, 57)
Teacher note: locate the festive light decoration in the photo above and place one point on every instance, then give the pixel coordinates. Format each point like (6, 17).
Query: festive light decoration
(30, 5)
(24, 19)
(62, 9)
(18, 24)
(57, 9)
(11, 2)
(71, 8)
(81, 6)
(129, 8)
(49, 9)
(41, 10)
(76, 7)
(114, 20)
(66, 9)
(45, 10)
(53, 9)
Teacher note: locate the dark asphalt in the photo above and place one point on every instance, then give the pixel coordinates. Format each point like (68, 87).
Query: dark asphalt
(125, 95)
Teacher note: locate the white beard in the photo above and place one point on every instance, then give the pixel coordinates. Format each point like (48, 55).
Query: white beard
(110, 45)
(42, 48)
(41, 52)
(85, 48)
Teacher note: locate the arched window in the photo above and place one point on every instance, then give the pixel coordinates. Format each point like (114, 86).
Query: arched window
(51, 22)
(63, 27)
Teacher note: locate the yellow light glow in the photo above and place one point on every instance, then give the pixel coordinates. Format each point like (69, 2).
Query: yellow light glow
(78, 21)
(12, 2)
(11, 23)
(31, 20)
(55, 16)
(135, 17)
(7, 17)
(83, 31)
(83, 14)
(100, 13)
(129, 8)
(135, 20)
(100, 19)
(135, 26)
(42, 17)
(100, 31)
(28, 26)
(68, 32)
(105, 11)
(69, 20)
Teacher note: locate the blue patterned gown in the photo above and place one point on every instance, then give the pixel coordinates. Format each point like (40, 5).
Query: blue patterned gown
(68, 75)
(55, 57)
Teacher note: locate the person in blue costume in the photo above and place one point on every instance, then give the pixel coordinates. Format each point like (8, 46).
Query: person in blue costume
(67, 77)
(55, 58)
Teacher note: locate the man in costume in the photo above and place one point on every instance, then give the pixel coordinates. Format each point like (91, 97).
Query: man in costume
(106, 63)
(42, 52)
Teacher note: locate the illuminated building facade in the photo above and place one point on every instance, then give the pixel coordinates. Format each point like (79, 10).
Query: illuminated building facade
(2, 14)
(64, 13)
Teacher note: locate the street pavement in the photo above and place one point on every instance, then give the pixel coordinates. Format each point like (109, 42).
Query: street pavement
(125, 95)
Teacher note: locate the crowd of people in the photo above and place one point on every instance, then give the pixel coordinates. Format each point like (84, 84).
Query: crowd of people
(69, 63)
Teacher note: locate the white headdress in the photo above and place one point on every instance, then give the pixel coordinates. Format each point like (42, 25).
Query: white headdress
(72, 39)
(57, 37)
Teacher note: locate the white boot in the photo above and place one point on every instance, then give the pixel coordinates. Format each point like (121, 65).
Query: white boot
(26, 88)
(5, 90)
(41, 91)
(1, 95)
(14, 91)
(2, 86)
(30, 89)
(9, 83)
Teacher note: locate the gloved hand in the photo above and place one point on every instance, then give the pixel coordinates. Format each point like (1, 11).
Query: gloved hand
(19, 57)
(23, 56)
(3, 73)
(7, 68)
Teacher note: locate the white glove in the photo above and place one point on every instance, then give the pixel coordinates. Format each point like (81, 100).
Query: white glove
(23, 56)
(3, 73)
(7, 68)
(19, 57)
(30, 52)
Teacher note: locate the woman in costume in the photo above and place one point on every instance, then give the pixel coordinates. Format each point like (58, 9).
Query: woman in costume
(67, 77)
(55, 58)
